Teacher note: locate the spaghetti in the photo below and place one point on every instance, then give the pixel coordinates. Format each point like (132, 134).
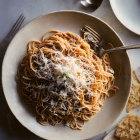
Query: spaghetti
(64, 79)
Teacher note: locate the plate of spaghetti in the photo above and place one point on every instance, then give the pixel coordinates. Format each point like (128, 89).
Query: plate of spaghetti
(57, 85)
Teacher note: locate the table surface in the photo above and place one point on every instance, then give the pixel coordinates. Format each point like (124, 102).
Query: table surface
(10, 128)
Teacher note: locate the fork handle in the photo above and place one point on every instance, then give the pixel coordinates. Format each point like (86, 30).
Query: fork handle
(128, 47)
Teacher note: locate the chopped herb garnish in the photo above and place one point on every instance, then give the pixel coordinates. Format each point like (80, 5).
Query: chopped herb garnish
(66, 75)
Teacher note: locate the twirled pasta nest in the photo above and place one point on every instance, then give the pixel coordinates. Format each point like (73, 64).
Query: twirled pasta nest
(64, 79)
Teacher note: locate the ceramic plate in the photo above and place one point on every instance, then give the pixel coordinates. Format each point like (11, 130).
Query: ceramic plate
(73, 22)
(128, 13)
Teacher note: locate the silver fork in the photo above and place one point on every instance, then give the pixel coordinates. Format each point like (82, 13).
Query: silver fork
(13, 31)
(95, 38)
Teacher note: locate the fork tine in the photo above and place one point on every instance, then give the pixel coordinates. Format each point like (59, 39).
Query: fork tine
(97, 39)
(93, 33)
(94, 36)
(17, 24)
(18, 20)
(90, 35)
(87, 27)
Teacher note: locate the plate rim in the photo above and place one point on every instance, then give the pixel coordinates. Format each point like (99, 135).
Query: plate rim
(122, 22)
